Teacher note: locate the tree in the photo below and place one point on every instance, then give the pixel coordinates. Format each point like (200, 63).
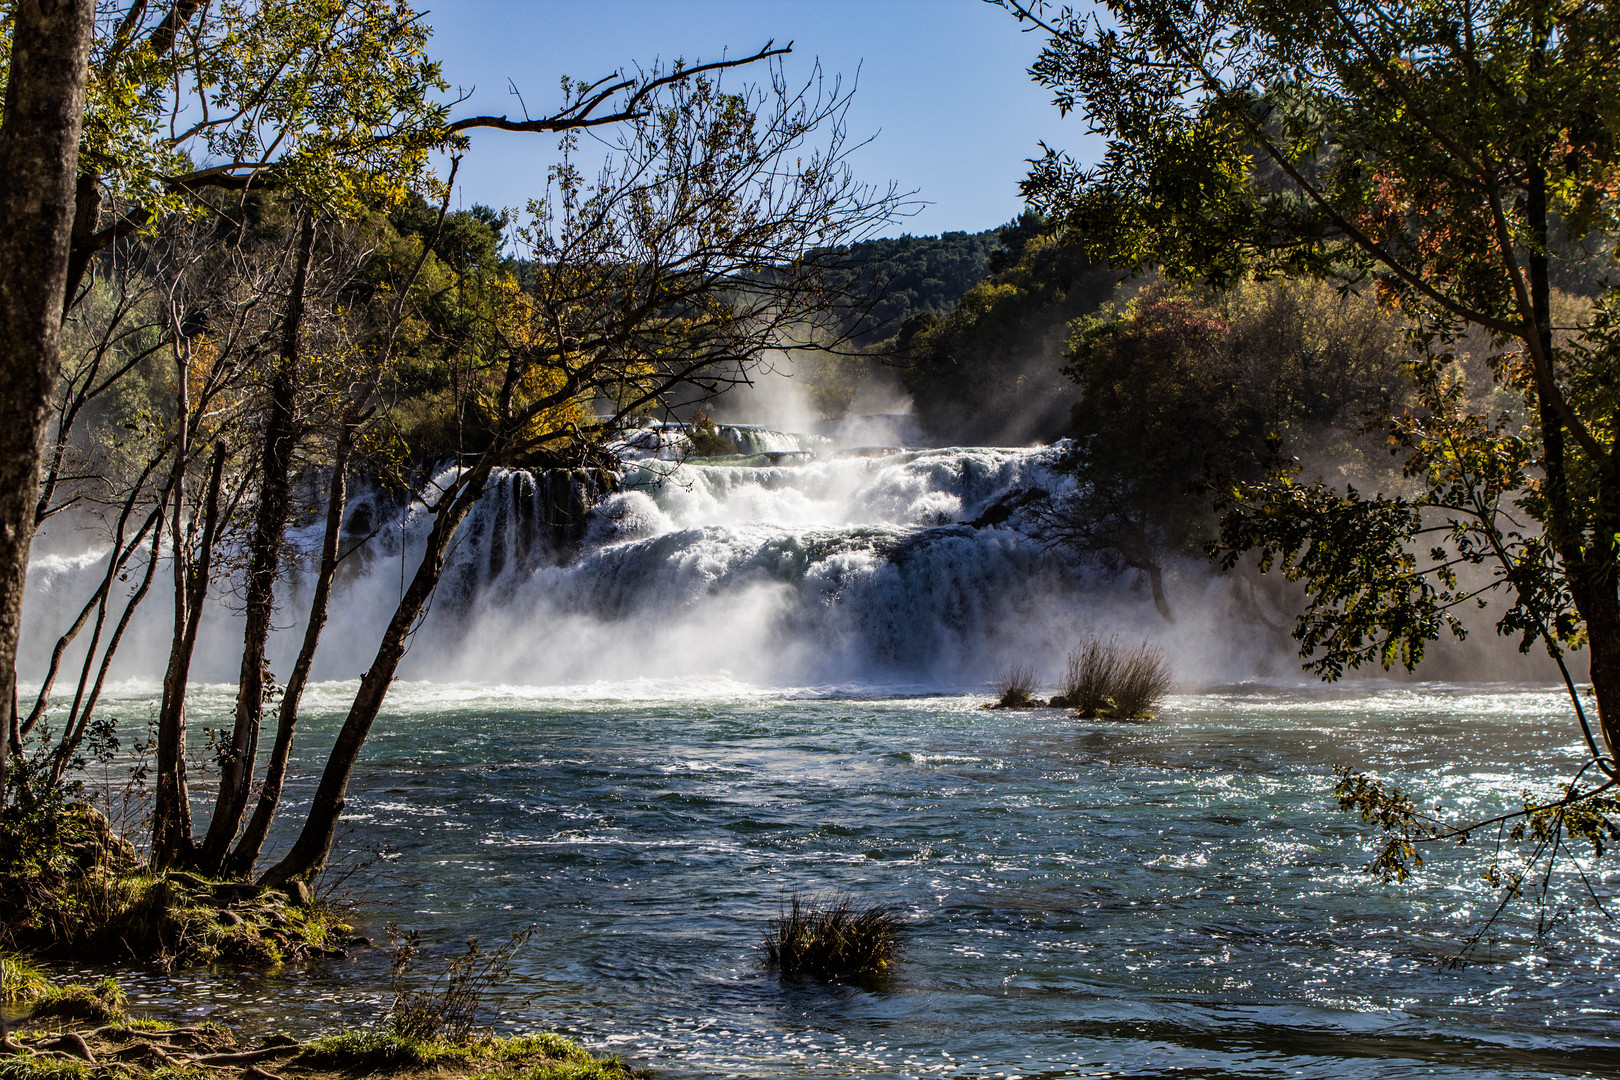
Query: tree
(988, 370)
(1446, 156)
(197, 112)
(39, 150)
(708, 240)
(1183, 388)
(1455, 159)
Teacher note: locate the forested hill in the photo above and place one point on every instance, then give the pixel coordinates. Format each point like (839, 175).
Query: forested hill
(918, 274)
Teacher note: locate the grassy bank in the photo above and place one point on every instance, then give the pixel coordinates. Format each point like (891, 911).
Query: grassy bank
(83, 1031)
(71, 889)
(175, 919)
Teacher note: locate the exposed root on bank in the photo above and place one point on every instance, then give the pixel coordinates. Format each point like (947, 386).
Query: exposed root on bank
(82, 1032)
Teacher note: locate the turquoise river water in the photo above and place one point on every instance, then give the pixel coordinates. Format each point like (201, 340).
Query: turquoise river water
(1169, 898)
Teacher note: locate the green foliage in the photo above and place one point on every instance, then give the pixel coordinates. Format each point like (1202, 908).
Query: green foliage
(1382, 570)
(546, 1044)
(38, 835)
(372, 1051)
(706, 440)
(988, 370)
(1454, 157)
(20, 982)
(610, 1068)
(540, 1056)
(1179, 389)
(1527, 842)
(1394, 814)
(33, 1067)
(1299, 136)
(916, 274)
(1184, 392)
(834, 941)
(334, 99)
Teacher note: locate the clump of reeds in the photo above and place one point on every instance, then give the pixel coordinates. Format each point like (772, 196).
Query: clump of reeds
(833, 940)
(447, 1008)
(1105, 679)
(1015, 687)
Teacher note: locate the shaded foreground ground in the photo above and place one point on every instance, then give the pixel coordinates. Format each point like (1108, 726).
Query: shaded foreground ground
(81, 1032)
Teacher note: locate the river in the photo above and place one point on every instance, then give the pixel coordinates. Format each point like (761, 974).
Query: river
(759, 677)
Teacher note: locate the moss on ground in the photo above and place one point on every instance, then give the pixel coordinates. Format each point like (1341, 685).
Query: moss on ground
(80, 1031)
(177, 919)
(98, 1003)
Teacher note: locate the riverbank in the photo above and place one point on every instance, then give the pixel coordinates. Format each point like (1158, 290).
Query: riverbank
(84, 1031)
(74, 890)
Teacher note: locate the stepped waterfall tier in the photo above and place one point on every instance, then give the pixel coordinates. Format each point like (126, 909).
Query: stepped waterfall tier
(802, 559)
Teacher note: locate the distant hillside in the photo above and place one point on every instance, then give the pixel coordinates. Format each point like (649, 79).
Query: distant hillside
(920, 274)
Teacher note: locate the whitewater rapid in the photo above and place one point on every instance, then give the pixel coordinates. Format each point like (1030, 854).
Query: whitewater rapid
(802, 560)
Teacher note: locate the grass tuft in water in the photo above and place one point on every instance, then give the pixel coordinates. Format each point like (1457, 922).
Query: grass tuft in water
(1113, 681)
(1015, 687)
(832, 940)
(21, 983)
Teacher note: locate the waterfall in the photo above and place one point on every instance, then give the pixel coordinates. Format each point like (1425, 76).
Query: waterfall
(795, 562)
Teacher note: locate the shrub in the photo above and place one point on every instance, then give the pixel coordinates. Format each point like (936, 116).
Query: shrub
(446, 1009)
(1089, 678)
(833, 941)
(1105, 679)
(1015, 687)
(706, 440)
(1141, 681)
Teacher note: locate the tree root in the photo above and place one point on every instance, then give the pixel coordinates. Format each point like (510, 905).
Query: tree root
(73, 1044)
(246, 1056)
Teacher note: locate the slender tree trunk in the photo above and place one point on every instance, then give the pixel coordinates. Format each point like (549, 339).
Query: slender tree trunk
(314, 845)
(1155, 576)
(172, 843)
(79, 719)
(118, 557)
(246, 855)
(86, 218)
(39, 155)
(264, 563)
(1590, 570)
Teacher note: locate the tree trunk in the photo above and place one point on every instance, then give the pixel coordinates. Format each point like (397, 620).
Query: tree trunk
(1155, 576)
(314, 844)
(39, 155)
(1594, 584)
(79, 719)
(246, 855)
(117, 558)
(172, 843)
(264, 564)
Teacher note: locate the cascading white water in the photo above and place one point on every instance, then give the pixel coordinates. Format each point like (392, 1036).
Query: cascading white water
(796, 563)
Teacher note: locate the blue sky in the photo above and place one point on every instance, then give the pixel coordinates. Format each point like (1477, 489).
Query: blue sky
(943, 88)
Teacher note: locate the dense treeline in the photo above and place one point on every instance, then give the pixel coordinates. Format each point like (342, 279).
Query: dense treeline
(910, 275)
(1182, 392)
(988, 371)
